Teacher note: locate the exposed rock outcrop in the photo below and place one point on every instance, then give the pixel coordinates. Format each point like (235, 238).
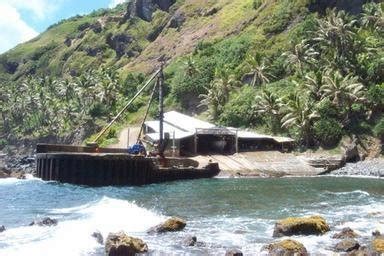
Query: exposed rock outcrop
(345, 233)
(350, 6)
(118, 244)
(3, 174)
(44, 222)
(314, 225)
(119, 43)
(144, 9)
(171, 225)
(2, 228)
(287, 248)
(347, 245)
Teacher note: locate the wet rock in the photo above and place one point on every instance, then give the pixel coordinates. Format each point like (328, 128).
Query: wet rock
(378, 245)
(362, 251)
(314, 225)
(3, 174)
(98, 236)
(376, 233)
(189, 241)
(44, 222)
(347, 245)
(171, 225)
(286, 247)
(18, 175)
(233, 252)
(2, 228)
(345, 233)
(119, 244)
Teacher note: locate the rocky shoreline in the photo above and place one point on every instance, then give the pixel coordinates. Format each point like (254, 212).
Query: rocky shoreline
(371, 167)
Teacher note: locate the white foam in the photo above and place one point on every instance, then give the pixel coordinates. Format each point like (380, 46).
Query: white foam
(73, 237)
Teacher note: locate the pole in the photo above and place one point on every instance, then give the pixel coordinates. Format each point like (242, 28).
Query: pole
(128, 137)
(160, 81)
(128, 104)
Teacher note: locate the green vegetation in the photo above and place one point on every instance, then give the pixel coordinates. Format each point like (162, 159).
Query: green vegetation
(276, 67)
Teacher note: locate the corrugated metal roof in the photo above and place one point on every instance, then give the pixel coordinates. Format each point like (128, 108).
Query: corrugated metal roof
(178, 135)
(186, 123)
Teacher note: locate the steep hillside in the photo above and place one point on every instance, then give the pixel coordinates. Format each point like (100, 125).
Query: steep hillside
(224, 58)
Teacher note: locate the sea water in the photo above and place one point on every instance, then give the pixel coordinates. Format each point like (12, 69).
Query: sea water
(221, 213)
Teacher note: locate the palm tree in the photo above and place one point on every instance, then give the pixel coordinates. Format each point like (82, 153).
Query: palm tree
(302, 54)
(342, 90)
(313, 83)
(218, 93)
(269, 105)
(300, 113)
(335, 37)
(255, 65)
(373, 17)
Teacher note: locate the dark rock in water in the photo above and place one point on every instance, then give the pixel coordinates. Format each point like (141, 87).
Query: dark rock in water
(189, 241)
(171, 225)
(345, 233)
(376, 233)
(347, 245)
(233, 252)
(314, 225)
(44, 222)
(286, 247)
(119, 244)
(2, 228)
(98, 236)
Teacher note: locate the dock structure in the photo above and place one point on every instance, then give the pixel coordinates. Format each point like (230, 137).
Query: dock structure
(79, 165)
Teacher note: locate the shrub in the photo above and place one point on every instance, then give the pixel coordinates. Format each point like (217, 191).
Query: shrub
(328, 132)
(257, 3)
(379, 129)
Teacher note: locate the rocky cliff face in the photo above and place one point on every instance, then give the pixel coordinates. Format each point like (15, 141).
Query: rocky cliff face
(350, 6)
(145, 8)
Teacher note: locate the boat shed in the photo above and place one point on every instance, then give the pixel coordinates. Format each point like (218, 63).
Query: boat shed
(190, 136)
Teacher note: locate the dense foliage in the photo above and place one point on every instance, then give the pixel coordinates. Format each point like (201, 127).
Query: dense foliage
(289, 71)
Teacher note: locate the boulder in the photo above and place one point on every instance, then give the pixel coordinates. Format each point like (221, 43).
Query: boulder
(119, 244)
(233, 252)
(378, 245)
(287, 248)
(3, 174)
(2, 228)
(44, 222)
(98, 236)
(345, 233)
(347, 245)
(314, 225)
(18, 175)
(376, 233)
(119, 43)
(164, 4)
(189, 241)
(351, 152)
(171, 225)
(177, 20)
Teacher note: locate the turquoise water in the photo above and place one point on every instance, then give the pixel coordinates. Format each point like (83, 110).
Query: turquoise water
(222, 213)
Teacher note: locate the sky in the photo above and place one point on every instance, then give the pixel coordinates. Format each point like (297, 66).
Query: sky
(22, 20)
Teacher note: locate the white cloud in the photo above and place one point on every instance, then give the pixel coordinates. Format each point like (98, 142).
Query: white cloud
(39, 8)
(113, 3)
(13, 30)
